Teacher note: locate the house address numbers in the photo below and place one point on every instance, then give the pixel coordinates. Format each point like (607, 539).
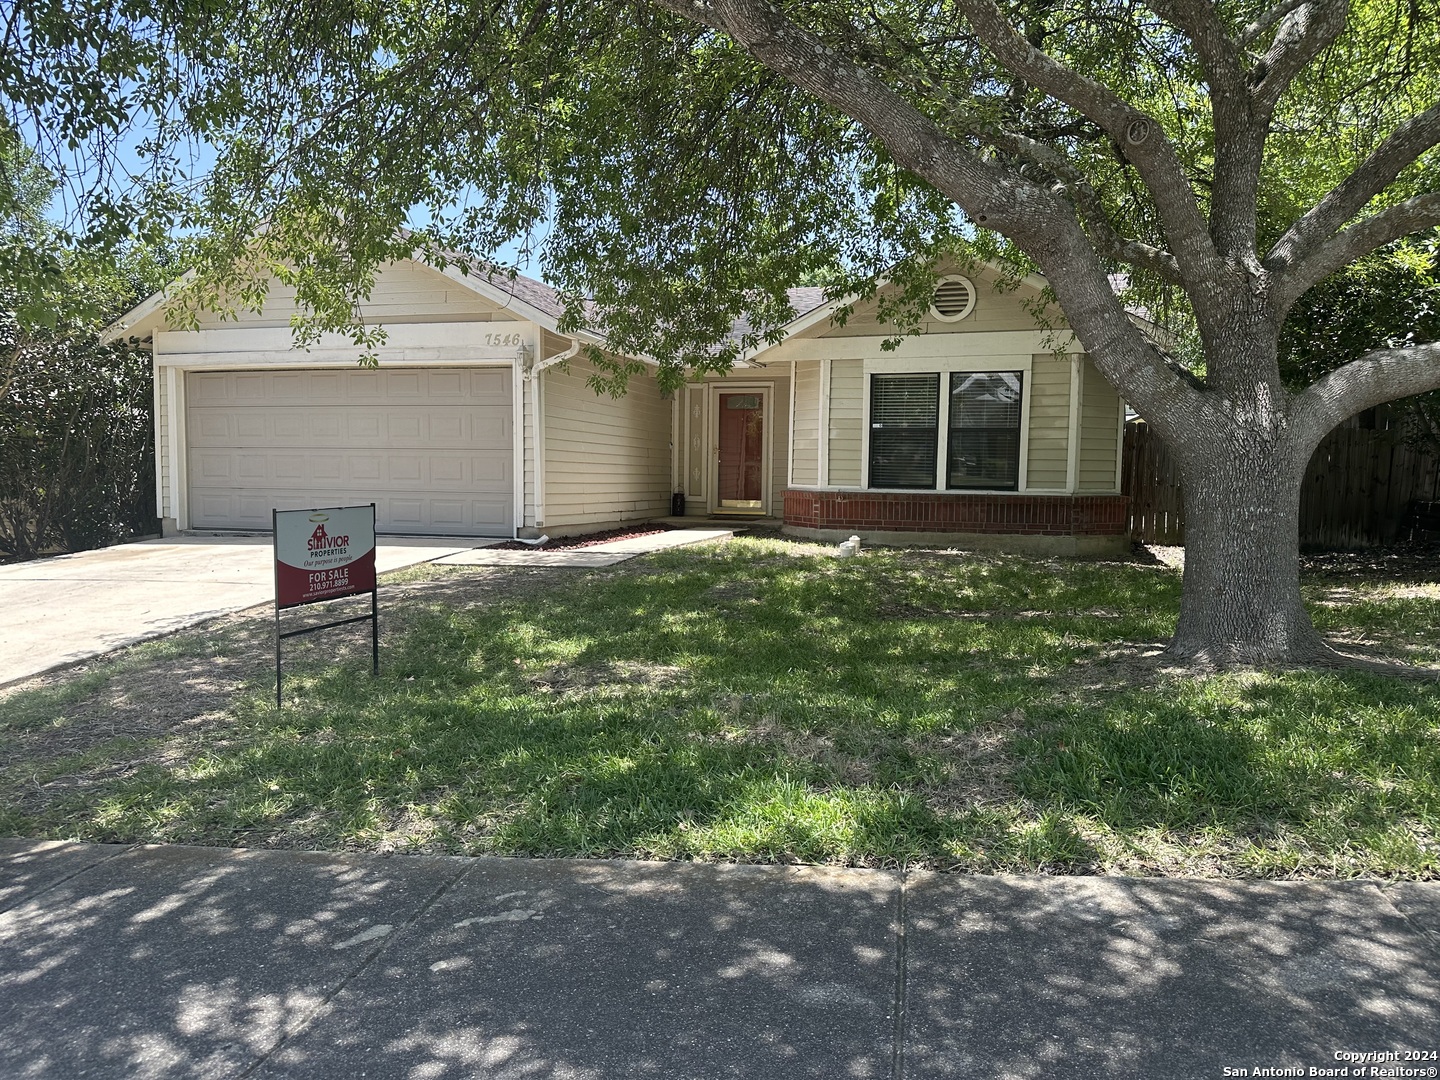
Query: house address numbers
(503, 339)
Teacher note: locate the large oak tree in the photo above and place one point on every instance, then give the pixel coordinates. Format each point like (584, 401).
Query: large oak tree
(682, 161)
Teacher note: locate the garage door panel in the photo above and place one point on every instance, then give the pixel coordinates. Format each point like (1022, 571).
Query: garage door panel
(421, 444)
(405, 429)
(299, 429)
(400, 470)
(213, 427)
(490, 386)
(459, 386)
(240, 428)
(401, 385)
(440, 385)
(210, 469)
(401, 513)
(251, 387)
(490, 473)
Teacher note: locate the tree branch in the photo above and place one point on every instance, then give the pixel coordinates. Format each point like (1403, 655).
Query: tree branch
(1072, 181)
(1303, 34)
(1219, 54)
(1239, 135)
(1377, 377)
(1400, 149)
(993, 196)
(1141, 138)
(1268, 19)
(1090, 208)
(1392, 223)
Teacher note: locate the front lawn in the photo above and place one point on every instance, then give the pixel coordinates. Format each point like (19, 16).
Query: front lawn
(762, 700)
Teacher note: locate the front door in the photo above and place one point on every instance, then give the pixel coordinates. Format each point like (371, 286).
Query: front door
(742, 451)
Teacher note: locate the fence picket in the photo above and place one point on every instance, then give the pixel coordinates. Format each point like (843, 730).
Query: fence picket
(1360, 489)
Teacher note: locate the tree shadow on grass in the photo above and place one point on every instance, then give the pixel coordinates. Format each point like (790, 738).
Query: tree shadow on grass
(722, 707)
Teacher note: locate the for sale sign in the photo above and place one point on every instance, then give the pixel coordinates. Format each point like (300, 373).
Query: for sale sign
(323, 554)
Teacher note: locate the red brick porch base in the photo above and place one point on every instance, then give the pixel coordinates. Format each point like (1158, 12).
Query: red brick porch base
(1024, 515)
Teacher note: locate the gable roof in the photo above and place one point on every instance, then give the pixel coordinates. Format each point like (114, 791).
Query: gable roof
(802, 300)
(523, 296)
(527, 297)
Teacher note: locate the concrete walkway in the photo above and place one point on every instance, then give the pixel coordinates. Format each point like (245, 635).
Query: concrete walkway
(195, 962)
(67, 609)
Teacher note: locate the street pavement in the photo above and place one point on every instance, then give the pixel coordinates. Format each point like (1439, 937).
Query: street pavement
(202, 962)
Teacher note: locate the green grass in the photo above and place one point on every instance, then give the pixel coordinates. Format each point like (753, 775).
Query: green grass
(764, 701)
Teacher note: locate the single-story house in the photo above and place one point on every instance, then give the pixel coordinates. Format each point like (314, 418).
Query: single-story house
(478, 421)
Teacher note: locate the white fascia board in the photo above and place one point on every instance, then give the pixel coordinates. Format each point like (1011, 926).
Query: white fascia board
(142, 313)
(506, 301)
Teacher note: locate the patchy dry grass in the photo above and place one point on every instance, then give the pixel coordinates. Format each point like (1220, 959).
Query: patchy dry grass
(760, 700)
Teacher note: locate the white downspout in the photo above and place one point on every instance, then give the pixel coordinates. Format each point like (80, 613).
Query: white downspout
(569, 354)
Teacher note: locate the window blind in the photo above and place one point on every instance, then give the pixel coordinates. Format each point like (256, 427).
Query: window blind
(904, 430)
(984, 442)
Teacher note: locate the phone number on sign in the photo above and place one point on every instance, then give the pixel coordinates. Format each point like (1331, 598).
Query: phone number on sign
(328, 579)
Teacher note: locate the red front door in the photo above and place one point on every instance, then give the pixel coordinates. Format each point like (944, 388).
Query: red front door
(742, 451)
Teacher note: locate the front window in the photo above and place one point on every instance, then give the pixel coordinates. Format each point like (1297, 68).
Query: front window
(904, 430)
(984, 449)
(977, 430)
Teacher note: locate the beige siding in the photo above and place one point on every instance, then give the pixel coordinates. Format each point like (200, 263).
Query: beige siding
(1049, 421)
(552, 345)
(847, 388)
(404, 292)
(606, 459)
(994, 310)
(1099, 431)
(807, 423)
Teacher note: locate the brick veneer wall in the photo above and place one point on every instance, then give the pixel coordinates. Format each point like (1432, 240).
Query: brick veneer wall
(1037, 515)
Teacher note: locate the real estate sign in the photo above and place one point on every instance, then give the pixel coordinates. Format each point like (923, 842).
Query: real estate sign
(323, 554)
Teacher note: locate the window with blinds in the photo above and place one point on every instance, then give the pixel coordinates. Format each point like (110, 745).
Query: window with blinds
(984, 436)
(904, 430)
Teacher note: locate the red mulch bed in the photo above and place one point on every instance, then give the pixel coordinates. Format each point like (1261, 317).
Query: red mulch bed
(588, 540)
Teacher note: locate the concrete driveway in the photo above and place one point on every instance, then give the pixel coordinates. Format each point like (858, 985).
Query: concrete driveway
(59, 611)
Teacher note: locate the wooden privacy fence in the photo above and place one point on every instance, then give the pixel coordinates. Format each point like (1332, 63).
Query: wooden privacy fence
(1364, 488)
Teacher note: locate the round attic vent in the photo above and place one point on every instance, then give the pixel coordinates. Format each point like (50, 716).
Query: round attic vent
(954, 298)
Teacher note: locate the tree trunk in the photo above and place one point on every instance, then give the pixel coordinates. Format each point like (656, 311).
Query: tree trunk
(1241, 601)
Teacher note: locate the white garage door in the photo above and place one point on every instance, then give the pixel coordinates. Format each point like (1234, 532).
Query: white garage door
(431, 447)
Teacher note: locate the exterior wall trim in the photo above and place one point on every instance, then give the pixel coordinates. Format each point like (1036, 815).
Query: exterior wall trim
(790, 431)
(1072, 444)
(1120, 451)
(156, 419)
(179, 452)
(822, 465)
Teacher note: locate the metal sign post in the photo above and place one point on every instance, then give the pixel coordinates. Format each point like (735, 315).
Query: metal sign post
(320, 555)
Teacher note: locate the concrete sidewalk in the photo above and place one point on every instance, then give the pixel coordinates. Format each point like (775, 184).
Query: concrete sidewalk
(196, 962)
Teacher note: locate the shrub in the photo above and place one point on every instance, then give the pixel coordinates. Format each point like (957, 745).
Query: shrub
(77, 464)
